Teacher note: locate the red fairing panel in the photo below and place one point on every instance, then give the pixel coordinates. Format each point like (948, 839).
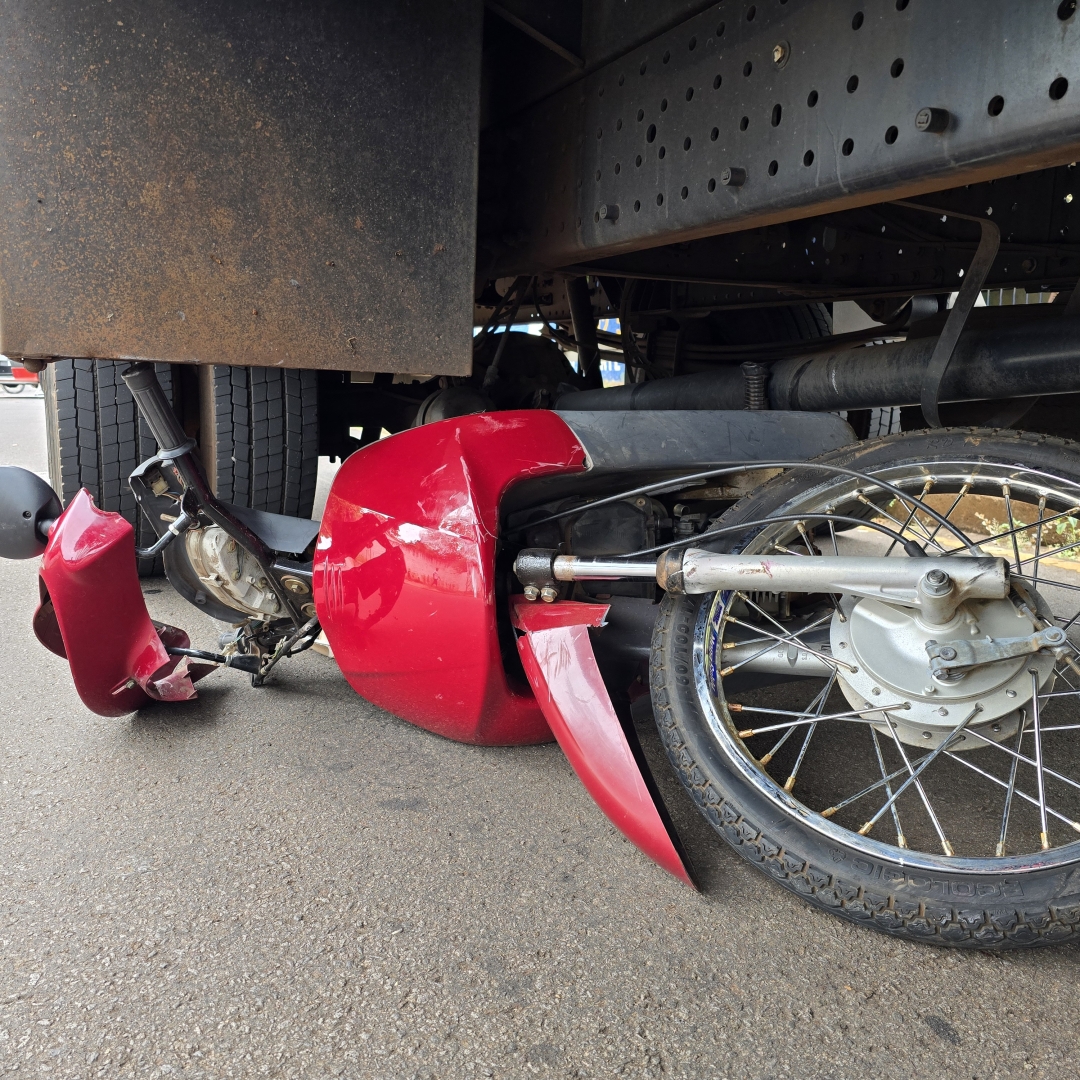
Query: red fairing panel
(558, 658)
(92, 597)
(404, 570)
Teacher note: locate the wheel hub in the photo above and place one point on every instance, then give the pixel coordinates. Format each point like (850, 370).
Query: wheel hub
(886, 645)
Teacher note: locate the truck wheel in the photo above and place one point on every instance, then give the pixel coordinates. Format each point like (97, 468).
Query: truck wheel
(259, 436)
(94, 438)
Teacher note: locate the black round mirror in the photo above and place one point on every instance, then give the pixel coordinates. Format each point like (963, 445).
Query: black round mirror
(28, 508)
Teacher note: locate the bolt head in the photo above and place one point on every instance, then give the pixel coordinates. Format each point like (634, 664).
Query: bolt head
(532, 592)
(780, 53)
(549, 594)
(935, 120)
(948, 653)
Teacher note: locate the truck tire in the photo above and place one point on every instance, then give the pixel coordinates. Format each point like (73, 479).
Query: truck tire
(259, 436)
(258, 428)
(95, 438)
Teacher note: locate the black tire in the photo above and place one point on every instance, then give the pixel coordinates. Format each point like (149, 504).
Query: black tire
(95, 438)
(1016, 907)
(260, 436)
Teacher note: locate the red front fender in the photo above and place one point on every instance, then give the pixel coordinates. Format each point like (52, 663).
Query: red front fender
(92, 611)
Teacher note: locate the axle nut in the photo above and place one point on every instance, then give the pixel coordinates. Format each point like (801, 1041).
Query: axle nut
(937, 582)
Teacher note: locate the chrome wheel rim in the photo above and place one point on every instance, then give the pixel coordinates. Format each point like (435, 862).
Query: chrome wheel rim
(1009, 785)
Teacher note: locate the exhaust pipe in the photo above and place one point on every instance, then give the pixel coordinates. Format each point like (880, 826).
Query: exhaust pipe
(1026, 359)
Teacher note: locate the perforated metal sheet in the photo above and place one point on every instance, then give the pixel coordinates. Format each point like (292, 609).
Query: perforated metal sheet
(831, 125)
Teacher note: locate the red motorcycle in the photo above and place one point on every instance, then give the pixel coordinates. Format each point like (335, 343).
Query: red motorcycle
(830, 650)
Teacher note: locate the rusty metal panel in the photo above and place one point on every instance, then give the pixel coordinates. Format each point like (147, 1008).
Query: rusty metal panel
(258, 182)
(751, 114)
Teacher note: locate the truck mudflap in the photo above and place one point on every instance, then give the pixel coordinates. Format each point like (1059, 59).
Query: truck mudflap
(92, 613)
(558, 658)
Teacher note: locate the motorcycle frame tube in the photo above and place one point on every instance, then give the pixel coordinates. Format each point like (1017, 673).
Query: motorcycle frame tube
(404, 576)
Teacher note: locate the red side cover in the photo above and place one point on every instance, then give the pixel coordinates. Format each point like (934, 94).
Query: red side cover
(405, 570)
(92, 597)
(559, 661)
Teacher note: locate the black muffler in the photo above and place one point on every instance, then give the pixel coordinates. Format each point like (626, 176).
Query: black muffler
(1017, 359)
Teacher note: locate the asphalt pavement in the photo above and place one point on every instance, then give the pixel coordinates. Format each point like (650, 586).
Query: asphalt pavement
(290, 882)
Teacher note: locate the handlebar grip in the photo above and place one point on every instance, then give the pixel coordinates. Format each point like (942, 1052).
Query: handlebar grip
(142, 381)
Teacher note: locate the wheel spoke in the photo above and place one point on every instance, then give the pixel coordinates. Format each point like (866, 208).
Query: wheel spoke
(793, 639)
(900, 527)
(946, 846)
(766, 758)
(789, 639)
(1034, 763)
(804, 717)
(900, 840)
(965, 488)
(836, 807)
(1010, 790)
(1036, 724)
(1023, 795)
(1051, 554)
(1021, 528)
(917, 770)
(819, 702)
(1038, 536)
(1006, 491)
(911, 514)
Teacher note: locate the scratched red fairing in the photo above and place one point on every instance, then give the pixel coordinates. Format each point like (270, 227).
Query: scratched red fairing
(404, 578)
(92, 597)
